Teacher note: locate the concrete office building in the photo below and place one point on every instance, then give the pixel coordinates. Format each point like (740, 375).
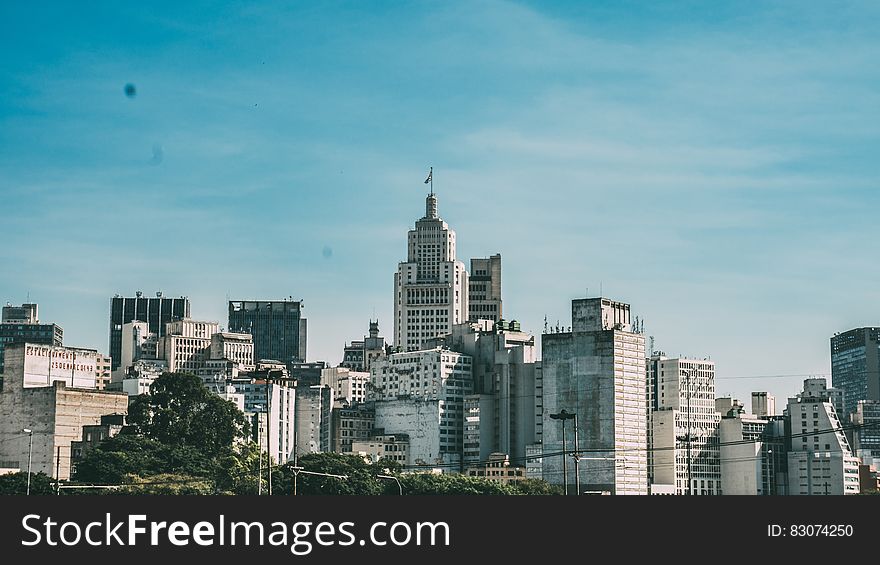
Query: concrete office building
(866, 432)
(314, 419)
(818, 388)
(187, 344)
(102, 371)
(504, 415)
(855, 367)
(349, 387)
(753, 455)
(422, 393)
(20, 324)
(281, 406)
(597, 370)
(820, 461)
(431, 286)
(93, 434)
(350, 424)
(137, 343)
(683, 407)
(359, 354)
(234, 347)
(307, 374)
(278, 327)
(392, 447)
(484, 289)
(763, 404)
(497, 467)
(51, 391)
(156, 312)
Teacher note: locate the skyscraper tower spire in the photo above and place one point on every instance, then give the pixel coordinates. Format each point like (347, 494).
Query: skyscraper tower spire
(431, 206)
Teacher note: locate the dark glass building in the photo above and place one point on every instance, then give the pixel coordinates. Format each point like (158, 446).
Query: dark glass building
(855, 367)
(278, 328)
(156, 311)
(43, 334)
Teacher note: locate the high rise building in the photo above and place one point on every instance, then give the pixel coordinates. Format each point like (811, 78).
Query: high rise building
(421, 393)
(278, 328)
(820, 461)
(753, 454)
(20, 324)
(504, 413)
(155, 311)
(684, 441)
(855, 367)
(238, 348)
(314, 418)
(763, 404)
(349, 387)
(597, 371)
(484, 289)
(102, 371)
(431, 286)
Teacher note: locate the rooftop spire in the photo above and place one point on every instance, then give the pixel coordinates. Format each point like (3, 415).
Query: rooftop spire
(431, 206)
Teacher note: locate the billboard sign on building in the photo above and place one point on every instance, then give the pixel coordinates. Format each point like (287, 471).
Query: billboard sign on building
(44, 364)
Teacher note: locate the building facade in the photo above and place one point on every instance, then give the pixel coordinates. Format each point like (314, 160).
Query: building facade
(392, 447)
(763, 404)
(431, 286)
(155, 311)
(350, 424)
(349, 387)
(21, 324)
(684, 442)
(359, 354)
(187, 344)
(422, 393)
(484, 289)
(50, 391)
(820, 460)
(855, 367)
(278, 327)
(238, 348)
(314, 419)
(597, 371)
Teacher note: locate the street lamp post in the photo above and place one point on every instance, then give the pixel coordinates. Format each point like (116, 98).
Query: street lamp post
(395, 479)
(30, 434)
(565, 415)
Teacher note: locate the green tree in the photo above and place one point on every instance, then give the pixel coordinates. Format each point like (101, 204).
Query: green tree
(167, 484)
(537, 487)
(449, 484)
(16, 483)
(361, 476)
(180, 410)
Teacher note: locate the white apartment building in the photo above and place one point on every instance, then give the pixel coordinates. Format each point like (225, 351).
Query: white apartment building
(820, 461)
(684, 421)
(422, 393)
(349, 387)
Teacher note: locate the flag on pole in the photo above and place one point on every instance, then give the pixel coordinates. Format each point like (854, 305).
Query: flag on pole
(430, 175)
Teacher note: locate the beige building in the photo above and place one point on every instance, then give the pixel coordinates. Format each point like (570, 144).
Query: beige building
(235, 347)
(498, 468)
(187, 344)
(394, 447)
(484, 289)
(102, 371)
(52, 392)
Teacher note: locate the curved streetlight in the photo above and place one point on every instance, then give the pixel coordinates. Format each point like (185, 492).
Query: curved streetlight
(392, 478)
(565, 415)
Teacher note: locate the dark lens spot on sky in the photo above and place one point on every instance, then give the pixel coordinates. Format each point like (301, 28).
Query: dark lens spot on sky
(130, 90)
(327, 252)
(158, 154)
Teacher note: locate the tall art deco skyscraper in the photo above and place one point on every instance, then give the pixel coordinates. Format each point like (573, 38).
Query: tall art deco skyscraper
(431, 286)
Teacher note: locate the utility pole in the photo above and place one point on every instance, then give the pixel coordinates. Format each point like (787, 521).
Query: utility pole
(577, 458)
(565, 415)
(689, 465)
(58, 471)
(30, 433)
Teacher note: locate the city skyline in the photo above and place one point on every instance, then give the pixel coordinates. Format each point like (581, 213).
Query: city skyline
(712, 171)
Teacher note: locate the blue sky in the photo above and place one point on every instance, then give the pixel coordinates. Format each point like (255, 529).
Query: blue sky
(714, 166)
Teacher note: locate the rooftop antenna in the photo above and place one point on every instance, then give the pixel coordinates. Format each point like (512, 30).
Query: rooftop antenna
(545, 323)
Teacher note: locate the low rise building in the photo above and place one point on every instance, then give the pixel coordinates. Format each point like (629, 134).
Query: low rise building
(498, 468)
(391, 447)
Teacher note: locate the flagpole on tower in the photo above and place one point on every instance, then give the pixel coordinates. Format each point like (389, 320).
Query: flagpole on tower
(430, 180)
